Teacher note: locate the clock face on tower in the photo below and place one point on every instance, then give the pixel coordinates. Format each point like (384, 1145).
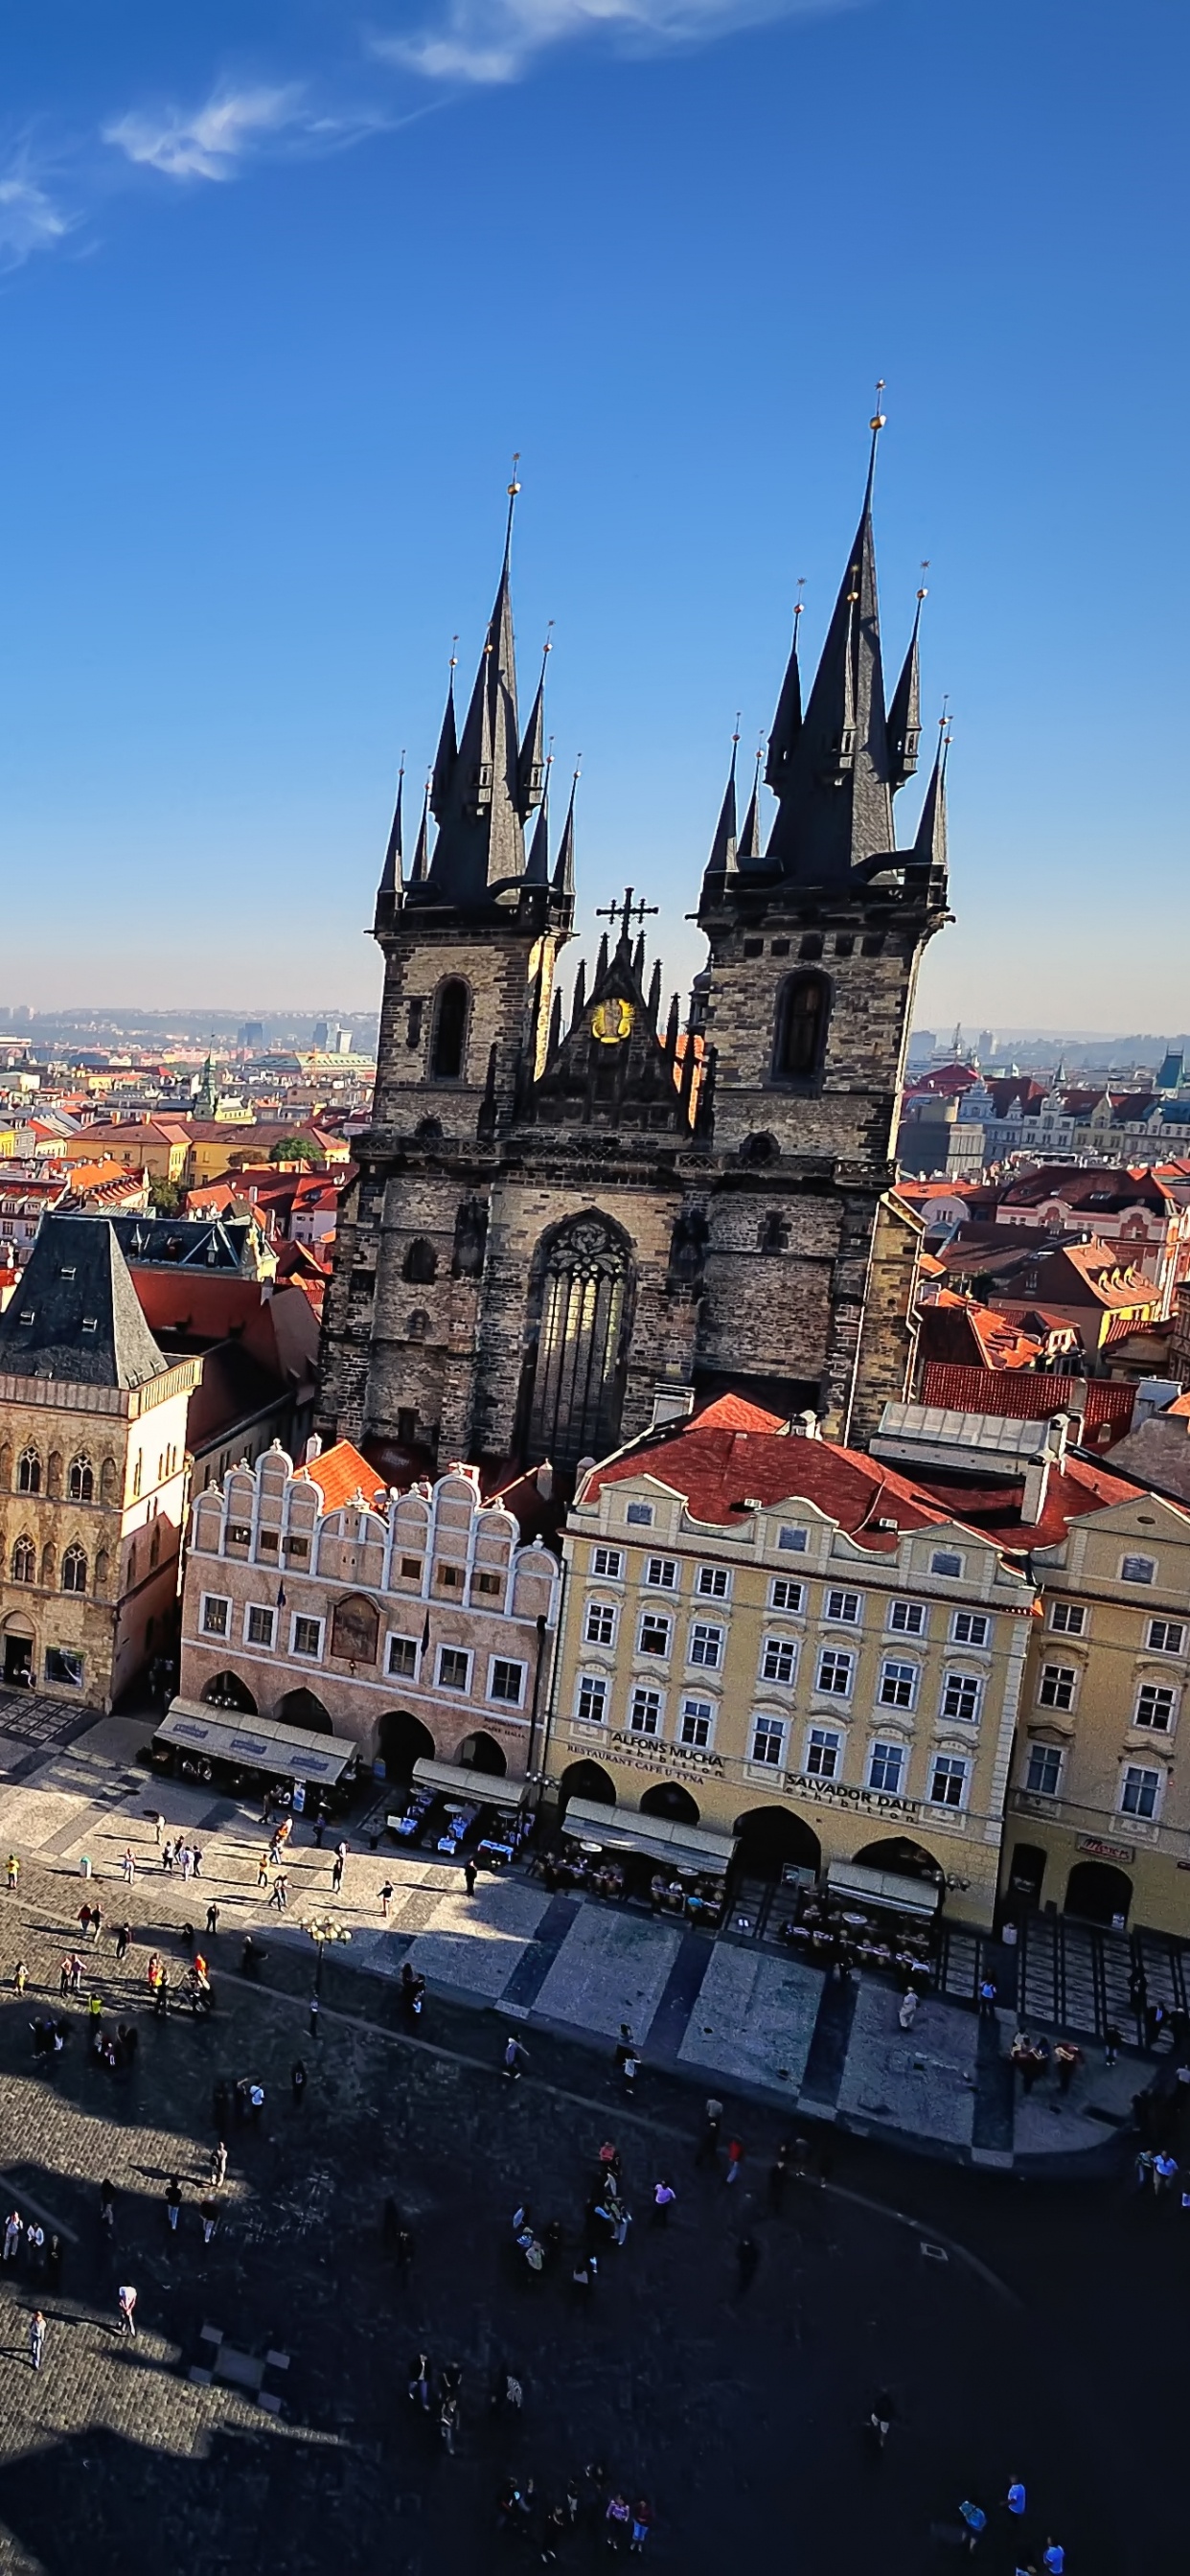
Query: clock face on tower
(611, 1022)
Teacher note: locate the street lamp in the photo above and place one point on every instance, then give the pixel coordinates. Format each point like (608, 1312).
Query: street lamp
(325, 1928)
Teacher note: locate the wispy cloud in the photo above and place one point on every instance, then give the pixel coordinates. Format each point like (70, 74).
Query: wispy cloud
(210, 142)
(31, 219)
(488, 41)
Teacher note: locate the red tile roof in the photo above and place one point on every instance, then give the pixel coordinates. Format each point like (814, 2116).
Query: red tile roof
(995, 1510)
(340, 1474)
(1026, 1396)
(721, 1467)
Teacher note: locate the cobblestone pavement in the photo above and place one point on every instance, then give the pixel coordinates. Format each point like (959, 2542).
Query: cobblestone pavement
(755, 2018)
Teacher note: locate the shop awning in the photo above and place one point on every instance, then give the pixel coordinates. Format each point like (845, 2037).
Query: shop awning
(883, 1887)
(625, 1829)
(477, 1788)
(256, 1743)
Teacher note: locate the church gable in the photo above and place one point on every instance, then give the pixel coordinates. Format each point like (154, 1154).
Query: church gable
(611, 1068)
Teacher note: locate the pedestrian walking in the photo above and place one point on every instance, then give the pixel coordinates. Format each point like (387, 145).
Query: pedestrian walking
(209, 2214)
(167, 1857)
(778, 2177)
(128, 1865)
(262, 1869)
(158, 1829)
(196, 1859)
(123, 1942)
(212, 1918)
(256, 2104)
(987, 1998)
(1067, 2060)
(618, 2519)
(1165, 2168)
(53, 2261)
(664, 2197)
(514, 2051)
(1113, 2041)
(448, 2422)
(13, 1873)
(747, 2256)
(735, 2158)
(297, 2083)
(975, 2519)
(1143, 2168)
(313, 2016)
(419, 2382)
(35, 2246)
(13, 2233)
(1053, 2558)
(337, 1867)
(630, 2070)
(908, 2008)
(126, 2301)
(280, 1895)
(20, 1977)
(708, 2144)
(64, 1977)
(173, 2204)
(161, 1998)
(1015, 2500)
(107, 2206)
(219, 2165)
(96, 1925)
(36, 2338)
(386, 1898)
(470, 1874)
(642, 2524)
(187, 1857)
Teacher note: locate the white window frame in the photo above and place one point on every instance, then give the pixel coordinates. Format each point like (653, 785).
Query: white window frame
(1133, 1557)
(607, 1611)
(1156, 1691)
(776, 1648)
(965, 1682)
(947, 1564)
(787, 1596)
(515, 1663)
(882, 1748)
(661, 1574)
(711, 1632)
(975, 1619)
(303, 1651)
(907, 1676)
(642, 1691)
(459, 1690)
(260, 1610)
(1043, 1754)
(599, 1686)
(222, 1636)
(400, 1637)
(843, 1617)
(960, 1769)
(607, 1564)
(821, 1738)
(768, 1725)
(656, 1619)
(701, 1712)
(713, 1583)
(1066, 1679)
(907, 1618)
(1068, 1618)
(838, 1655)
(1162, 1647)
(1142, 1771)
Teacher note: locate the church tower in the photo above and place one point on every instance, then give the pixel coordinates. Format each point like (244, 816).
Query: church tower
(554, 1224)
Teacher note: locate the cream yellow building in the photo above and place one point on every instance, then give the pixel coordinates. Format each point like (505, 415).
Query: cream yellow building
(778, 1639)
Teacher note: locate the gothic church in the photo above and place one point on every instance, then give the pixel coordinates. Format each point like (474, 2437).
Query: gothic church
(554, 1225)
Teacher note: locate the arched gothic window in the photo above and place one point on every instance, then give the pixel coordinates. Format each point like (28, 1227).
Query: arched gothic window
(29, 1474)
(801, 1028)
(82, 1480)
(420, 1262)
(580, 1306)
(24, 1561)
(450, 1030)
(74, 1569)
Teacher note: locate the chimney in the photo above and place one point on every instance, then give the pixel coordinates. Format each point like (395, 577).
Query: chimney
(1037, 1473)
(545, 1480)
(313, 1448)
(803, 1426)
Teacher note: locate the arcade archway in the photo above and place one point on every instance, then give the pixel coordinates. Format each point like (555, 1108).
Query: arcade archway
(226, 1690)
(482, 1753)
(1098, 1892)
(671, 1800)
(770, 1838)
(403, 1741)
(586, 1780)
(302, 1708)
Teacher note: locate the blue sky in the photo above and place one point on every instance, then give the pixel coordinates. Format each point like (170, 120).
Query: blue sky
(282, 287)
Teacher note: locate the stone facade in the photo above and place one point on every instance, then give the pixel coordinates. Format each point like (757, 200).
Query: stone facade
(718, 1198)
(413, 1623)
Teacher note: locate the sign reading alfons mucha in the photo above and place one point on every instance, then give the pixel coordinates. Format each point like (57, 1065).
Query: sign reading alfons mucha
(611, 1021)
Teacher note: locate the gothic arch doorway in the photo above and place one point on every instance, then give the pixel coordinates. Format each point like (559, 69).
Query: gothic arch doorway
(586, 1780)
(226, 1690)
(670, 1800)
(769, 1837)
(482, 1753)
(1098, 1892)
(579, 1322)
(301, 1708)
(403, 1741)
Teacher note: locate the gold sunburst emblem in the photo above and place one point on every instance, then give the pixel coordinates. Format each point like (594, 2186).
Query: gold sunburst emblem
(611, 1022)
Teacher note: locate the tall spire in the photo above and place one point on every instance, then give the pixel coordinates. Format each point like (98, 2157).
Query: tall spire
(835, 800)
(480, 842)
(531, 762)
(538, 870)
(929, 843)
(421, 853)
(390, 888)
(721, 862)
(904, 714)
(787, 723)
(563, 887)
(445, 757)
(748, 848)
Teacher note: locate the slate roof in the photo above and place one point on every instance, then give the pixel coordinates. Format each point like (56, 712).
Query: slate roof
(76, 1315)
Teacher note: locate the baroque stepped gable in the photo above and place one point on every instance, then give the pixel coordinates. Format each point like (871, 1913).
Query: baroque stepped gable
(554, 1219)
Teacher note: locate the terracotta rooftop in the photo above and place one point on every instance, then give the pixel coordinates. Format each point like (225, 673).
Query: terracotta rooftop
(340, 1474)
(734, 1450)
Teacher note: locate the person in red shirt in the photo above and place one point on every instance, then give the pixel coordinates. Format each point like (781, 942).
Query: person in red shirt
(735, 2158)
